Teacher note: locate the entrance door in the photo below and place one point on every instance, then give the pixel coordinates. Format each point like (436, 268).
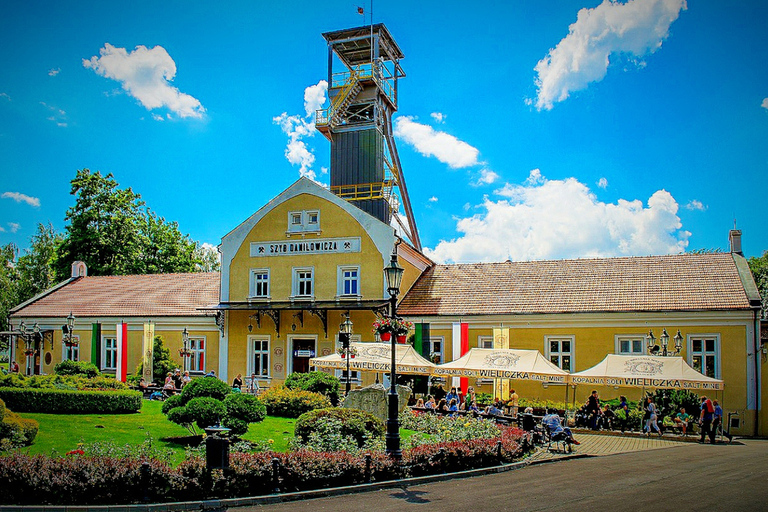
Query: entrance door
(303, 350)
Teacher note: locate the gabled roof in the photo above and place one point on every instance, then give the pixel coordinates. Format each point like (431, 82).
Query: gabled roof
(127, 296)
(686, 282)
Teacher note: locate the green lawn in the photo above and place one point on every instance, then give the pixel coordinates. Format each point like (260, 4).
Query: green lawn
(63, 432)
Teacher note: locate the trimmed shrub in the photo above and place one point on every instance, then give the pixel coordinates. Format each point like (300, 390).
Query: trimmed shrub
(76, 368)
(56, 401)
(206, 386)
(317, 382)
(357, 424)
(243, 409)
(171, 402)
(205, 411)
(292, 403)
(15, 430)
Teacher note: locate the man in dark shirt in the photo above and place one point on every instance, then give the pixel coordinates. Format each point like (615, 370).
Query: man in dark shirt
(593, 408)
(177, 379)
(705, 420)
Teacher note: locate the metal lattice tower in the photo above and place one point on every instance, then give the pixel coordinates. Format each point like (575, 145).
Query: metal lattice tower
(365, 166)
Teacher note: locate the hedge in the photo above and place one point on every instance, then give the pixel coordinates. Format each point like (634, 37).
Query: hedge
(60, 401)
(360, 425)
(84, 480)
(292, 403)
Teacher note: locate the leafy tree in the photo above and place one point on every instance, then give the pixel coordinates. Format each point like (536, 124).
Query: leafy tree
(36, 267)
(9, 289)
(164, 249)
(759, 267)
(161, 362)
(208, 258)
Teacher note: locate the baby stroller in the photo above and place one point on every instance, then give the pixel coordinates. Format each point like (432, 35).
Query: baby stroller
(560, 438)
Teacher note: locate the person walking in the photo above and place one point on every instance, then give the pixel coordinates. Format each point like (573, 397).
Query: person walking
(705, 420)
(623, 413)
(653, 417)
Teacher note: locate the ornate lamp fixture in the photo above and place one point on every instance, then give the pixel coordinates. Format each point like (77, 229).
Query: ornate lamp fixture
(184, 351)
(664, 349)
(68, 332)
(394, 275)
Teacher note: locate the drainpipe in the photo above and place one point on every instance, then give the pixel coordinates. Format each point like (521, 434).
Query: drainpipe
(758, 358)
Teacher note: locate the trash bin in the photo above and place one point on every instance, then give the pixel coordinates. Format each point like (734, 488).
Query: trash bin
(216, 448)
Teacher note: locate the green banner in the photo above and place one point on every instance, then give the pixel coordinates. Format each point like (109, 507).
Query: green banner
(96, 345)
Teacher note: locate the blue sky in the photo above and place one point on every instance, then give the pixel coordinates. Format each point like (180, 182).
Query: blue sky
(526, 130)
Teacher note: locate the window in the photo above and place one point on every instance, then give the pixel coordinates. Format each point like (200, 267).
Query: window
(71, 353)
(303, 282)
(196, 362)
(436, 349)
(109, 354)
(485, 342)
(349, 281)
(259, 360)
(559, 350)
(259, 283)
(704, 353)
(630, 345)
(304, 221)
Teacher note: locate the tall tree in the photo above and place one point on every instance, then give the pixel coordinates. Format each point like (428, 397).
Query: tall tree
(9, 283)
(36, 268)
(759, 267)
(164, 248)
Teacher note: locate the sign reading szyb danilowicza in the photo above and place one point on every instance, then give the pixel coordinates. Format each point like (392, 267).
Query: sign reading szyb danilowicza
(316, 246)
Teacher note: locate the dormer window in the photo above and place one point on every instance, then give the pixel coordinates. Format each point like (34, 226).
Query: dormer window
(305, 221)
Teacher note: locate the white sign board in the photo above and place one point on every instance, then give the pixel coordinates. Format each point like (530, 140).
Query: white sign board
(316, 246)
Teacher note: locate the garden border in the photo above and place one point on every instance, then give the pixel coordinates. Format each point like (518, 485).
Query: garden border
(215, 505)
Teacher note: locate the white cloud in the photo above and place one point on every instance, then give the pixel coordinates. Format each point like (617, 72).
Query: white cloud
(554, 219)
(486, 177)
(157, 117)
(58, 116)
(439, 117)
(764, 104)
(433, 199)
(635, 28)
(14, 227)
(4, 95)
(145, 74)
(602, 183)
(297, 128)
(54, 72)
(430, 142)
(695, 205)
(22, 198)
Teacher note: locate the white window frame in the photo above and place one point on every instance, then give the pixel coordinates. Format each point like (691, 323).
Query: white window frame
(68, 352)
(630, 338)
(105, 350)
(561, 337)
(194, 360)
(252, 356)
(340, 281)
(437, 339)
(714, 353)
(485, 342)
(295, 285)
(253, 282)
(304, 224)
(355, 377)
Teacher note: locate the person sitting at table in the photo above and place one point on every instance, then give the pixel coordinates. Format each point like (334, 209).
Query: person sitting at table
(452, 396)
(492, 410)
(252, 384)
(607, 418)
(453, 406)
(442, 405)
(430, 403)
(237, 383)
(681, 420)
(169, 387)
(552, 422)
(143, 384)
(185, 379)
(419, 403)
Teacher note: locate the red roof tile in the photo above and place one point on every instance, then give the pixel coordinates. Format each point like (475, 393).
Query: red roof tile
(655, 283)
(135, 295)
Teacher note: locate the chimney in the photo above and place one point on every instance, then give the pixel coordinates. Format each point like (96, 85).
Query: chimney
(734, 237)
(79, 269)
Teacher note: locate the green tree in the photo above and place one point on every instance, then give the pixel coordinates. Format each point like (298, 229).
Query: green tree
(9, 285)
(161, 362)
(759, 267)
(164, 249)
(36, 267)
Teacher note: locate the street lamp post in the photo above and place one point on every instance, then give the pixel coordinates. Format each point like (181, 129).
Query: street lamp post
(30, 336)
(664, 350)
(184, 351)
(345, 332)
(68, 331)
(394, 275)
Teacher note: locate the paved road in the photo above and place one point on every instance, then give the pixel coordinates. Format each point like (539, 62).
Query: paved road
(686, 477)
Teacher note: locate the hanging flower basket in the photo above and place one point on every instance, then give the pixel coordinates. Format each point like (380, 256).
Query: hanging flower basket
(29, 352)
(385, 336)
(384, 326)
(343, 352)
(71, 343)
(401, 338)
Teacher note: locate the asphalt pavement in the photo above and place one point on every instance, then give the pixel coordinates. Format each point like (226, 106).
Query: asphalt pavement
(683, 477)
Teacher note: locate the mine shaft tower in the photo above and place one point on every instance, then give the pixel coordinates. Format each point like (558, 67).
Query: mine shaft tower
(365, 166)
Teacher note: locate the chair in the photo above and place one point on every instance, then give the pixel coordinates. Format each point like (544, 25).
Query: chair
(558, 439)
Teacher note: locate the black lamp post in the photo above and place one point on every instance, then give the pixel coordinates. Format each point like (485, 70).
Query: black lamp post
(184, 351)
(30, 336)
(68, 330)
(394, 275)
(345, 332)
(663, 350)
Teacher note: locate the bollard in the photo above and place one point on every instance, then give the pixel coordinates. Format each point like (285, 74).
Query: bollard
(216, 448)
(367, 474)
(275, 475)
(144, 476)
(498, 450)
(443, 461)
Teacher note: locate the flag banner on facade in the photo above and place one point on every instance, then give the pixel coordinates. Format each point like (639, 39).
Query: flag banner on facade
(121, 362)
(488, 363)
(376, 357)
(464, 381)
(147, 348)
(645, 372)
(455, 349)
(96, 345)
(501, 341)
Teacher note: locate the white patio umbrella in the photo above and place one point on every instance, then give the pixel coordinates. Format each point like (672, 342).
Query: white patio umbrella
(376, 357)
(506, 363)
(646, 372)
